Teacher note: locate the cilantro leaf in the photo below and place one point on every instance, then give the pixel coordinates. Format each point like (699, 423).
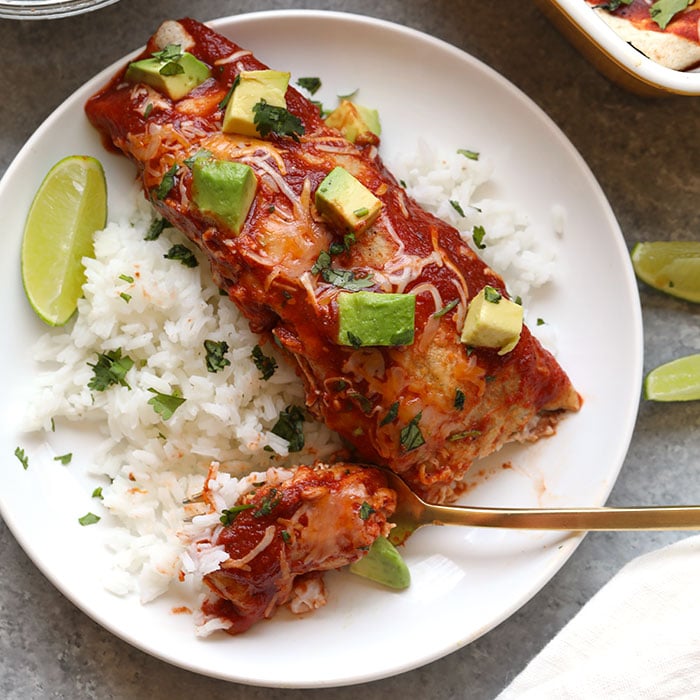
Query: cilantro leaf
(366, 510)
(215, 359)
(182, 254)
(290, 427)
(472, 155)
(268, 503)
(156, 228)
(345, 279)
(446, 309)
(457, 207)
(391, 414)
(167, 183)
(310, 84)
(165, 404)
(492, 295)
(411, 436)
(269, 119)
(64, 459)
(265, 364)
(22, 457)
(89, 519)
(663, 11)
(228, 515)
(110, 368)
(478, 233)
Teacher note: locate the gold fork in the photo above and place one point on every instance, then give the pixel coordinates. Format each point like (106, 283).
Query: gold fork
(413, 512)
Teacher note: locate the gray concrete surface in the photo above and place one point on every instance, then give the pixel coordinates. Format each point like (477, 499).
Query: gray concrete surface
(645, 154)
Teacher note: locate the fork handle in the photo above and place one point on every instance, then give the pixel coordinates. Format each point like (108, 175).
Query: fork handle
(573, 519)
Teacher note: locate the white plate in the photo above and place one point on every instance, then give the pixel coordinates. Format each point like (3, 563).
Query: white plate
(465, 581)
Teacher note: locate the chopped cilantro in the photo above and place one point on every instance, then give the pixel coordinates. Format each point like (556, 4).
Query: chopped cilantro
(411, 436)
(663, 11)
(472, 155)
(156, 228)
(64, 459)
(345, 279)
(310, 84)
(290, 427)
(97, 493)
(286, 536)
(227, 97)
(182, 254)
(457, 207)
(268, 503)
(323, 261)
(89, 519)
(228, 515)
(269, 119)
(366, 510)
(364, 403)
(265, 364)
(492, 295)
(613, 5)
(391, 414)
(478, 233)
(170, 58)
(446, 309)
(459, 399)
(165, 404)
(167, 183)
(110, 368)
(354, 340)
(540, 322)
(22, 457)
(215, 359)
(201, 153)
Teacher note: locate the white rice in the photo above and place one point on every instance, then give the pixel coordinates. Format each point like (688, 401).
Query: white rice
(148, 464)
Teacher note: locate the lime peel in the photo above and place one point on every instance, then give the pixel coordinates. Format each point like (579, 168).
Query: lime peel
(677, 380)
(68, 208)
(672, 267)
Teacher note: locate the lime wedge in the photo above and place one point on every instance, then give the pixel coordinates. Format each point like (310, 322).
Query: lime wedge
(69, 206)
(670, 266)
(678, 380)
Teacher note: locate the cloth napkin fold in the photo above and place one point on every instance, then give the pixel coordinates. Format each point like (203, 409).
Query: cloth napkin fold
(637, 638)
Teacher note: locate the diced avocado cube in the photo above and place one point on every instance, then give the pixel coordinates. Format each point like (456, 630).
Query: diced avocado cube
(374, 318)
(357, 123)
(384, 564)
(345, 202)
(254, 86)
(161, 74)
(224, 189)
(493, 321)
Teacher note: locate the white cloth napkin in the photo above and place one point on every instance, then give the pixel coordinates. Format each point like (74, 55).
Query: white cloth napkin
(637, 638)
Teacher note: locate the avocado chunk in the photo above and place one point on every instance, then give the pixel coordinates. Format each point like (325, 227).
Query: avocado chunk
(375, 318)
(252, 87)
(384, 564)
(345, 202)
(357, 123)
(170, 71)
(223, 189)
(493, 321)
